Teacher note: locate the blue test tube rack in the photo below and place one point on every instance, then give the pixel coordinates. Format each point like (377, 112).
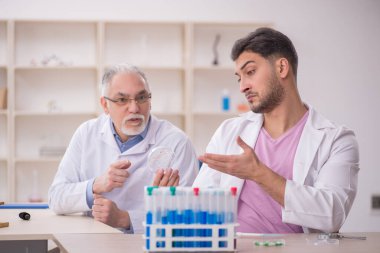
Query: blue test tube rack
(190, 219)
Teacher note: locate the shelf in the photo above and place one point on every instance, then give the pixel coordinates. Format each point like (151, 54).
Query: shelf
(65, 90)
(39, 160)
(157, 67)
(73, 67)
(216, 114)
(53, 114)
(168, 114)
(144, 44)
(214, 68)
(72, 43)
(3, 44)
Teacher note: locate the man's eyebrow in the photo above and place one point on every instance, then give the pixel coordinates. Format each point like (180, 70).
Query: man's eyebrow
(122, 94)
(244, 65)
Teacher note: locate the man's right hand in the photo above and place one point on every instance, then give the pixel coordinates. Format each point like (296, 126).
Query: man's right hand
(114, 177)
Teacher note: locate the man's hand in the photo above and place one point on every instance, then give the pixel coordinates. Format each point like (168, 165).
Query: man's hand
(168, 177)
(114, 177)
(106, 211)
(248, 166)
(244, 166)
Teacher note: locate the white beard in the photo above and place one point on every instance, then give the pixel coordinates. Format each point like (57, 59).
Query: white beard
(133, 130)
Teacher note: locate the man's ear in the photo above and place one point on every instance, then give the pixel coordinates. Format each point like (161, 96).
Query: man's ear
(104, 104)
(282, 66)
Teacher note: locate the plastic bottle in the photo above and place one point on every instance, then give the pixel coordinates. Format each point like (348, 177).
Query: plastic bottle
(226, 100)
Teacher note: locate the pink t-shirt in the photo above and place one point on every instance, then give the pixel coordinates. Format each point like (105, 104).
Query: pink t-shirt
(257, 211)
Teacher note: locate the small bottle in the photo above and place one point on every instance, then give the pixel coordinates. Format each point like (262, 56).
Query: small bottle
(226, 100)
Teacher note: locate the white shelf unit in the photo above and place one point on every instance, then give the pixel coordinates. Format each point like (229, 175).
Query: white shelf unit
(52, 70)
(4, 129)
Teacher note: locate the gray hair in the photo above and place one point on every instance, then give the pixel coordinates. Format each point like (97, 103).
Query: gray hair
(121, 68)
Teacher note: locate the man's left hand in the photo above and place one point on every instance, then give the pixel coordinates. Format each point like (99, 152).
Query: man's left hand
(244, 166)
(167, 177)
(106, 211)
(248, 166)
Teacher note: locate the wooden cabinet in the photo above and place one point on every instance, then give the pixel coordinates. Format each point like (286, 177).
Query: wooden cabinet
(52, 73)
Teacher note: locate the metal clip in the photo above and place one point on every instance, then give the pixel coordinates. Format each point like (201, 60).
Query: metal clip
(340, 236)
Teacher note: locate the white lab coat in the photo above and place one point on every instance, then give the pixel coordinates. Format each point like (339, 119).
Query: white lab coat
(325, 169)
(93, 148)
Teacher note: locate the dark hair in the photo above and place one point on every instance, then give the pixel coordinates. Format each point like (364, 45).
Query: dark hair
(268, 43)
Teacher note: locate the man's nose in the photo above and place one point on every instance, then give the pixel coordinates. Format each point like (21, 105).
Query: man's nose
(133, 106)
(244, 85)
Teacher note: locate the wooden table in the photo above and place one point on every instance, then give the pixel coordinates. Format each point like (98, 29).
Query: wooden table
(43, 224)
(294, 243)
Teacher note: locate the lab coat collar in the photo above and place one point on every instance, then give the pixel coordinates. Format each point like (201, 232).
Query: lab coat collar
(309, 143)
(311, 138)
(249, 134)
(106, 132)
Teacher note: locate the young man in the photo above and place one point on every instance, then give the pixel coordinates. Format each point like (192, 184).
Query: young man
(295, 170)
(105, 167)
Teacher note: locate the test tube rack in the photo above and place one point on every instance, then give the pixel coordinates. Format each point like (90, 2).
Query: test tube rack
(180, 219)
(220, 238)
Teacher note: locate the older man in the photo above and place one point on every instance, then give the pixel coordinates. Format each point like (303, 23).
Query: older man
(105, 166)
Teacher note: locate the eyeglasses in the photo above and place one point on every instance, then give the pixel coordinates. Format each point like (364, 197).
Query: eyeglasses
(139, 99)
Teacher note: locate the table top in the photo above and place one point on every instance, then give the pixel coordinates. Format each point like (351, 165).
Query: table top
(44, 223)
(78, 233)
(115, 243)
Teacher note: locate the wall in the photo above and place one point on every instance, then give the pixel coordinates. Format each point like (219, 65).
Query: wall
(337, 43)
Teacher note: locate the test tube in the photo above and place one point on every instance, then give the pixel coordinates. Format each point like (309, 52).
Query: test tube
(149, 205)
(197, 214)
(233, 191)
(188, 216)
(220, 207)
(210, 215)
(204, 213)
(149, 213)
(165, 204)
(172, 212)
(172, 206)
(180, 198)
(212, 207)
(157, 215)
(221, 215)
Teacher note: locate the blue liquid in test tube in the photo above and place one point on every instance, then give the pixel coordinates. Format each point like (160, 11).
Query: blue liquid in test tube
(180, 198)
(188, 217)
(149, 214)
(197, 215)
(221, 217)
(172, 212)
